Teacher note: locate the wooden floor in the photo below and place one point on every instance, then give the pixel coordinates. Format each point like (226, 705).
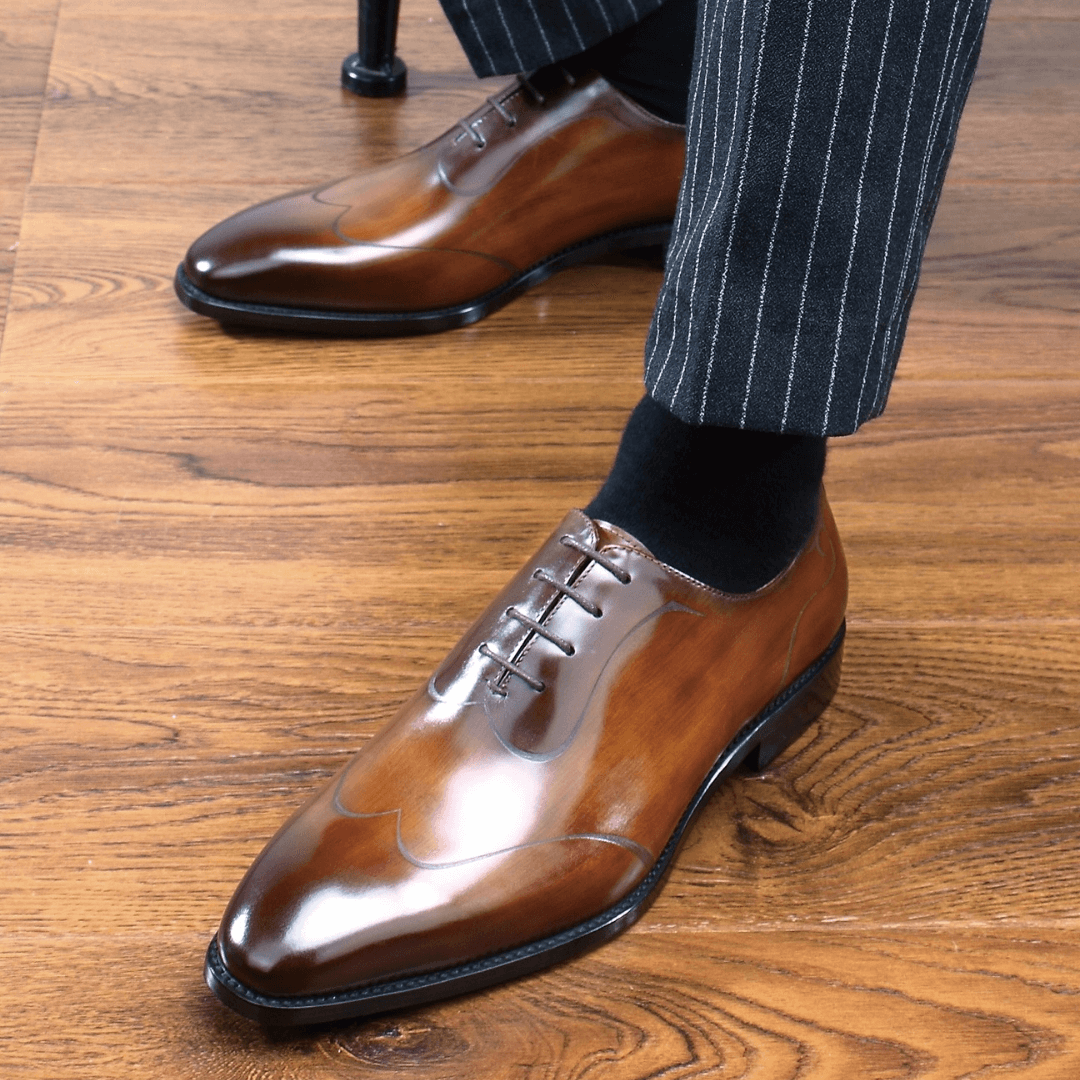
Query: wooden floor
(226, 558)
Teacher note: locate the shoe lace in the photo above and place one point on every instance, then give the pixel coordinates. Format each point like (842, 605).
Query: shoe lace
(498, 103)
(507, 667)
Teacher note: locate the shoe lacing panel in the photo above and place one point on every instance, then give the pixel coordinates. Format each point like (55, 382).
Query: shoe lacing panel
(498, 103)
(508, 668)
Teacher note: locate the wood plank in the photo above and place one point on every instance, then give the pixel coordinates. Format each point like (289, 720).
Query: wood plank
(754, 1006)
(179, 752)
(997, 296)
(258, 102)
(1007, 10)
(228, 557)
(11, 208)
(111, 255)
(26, 35)
(26, 39)
(1022, 119)
(318, 495)
(261, 444)
(211, 517)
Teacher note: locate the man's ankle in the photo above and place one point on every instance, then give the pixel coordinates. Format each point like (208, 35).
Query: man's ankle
(730, 508)
(651, 60)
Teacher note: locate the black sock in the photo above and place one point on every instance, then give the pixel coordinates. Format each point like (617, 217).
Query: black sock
(730, 508)
(651, 60)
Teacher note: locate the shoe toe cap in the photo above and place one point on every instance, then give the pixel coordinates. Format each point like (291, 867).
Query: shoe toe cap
(273, 253)
(334, 903)
(289, 253)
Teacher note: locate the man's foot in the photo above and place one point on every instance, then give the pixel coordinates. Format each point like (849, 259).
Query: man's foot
(552, 171)
(526, 803)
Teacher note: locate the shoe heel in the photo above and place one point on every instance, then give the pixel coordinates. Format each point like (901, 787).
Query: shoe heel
(796, 709)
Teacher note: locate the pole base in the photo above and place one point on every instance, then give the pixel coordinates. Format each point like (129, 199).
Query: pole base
(388, 81)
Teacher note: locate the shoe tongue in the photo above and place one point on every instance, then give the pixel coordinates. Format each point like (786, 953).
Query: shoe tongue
(606, 533)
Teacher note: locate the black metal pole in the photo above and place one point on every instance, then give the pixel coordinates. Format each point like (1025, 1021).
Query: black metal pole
(374, 70)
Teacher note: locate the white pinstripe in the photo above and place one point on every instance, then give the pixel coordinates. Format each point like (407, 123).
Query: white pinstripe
(692, 179)
(953, 120)
(509, 37)
(951, 124)
(896, 185)
(935, 125)
(700, 230)
(734, 217)
(574, 26)
(540, 27)
(633, 8)
(688, 186)
(476, 31)
(817, 216)
(695, 123)
(779, 209)
(694, 134)
(855, 227)
(716, 197)
(604, 16)
(925, 183)
(935, 183)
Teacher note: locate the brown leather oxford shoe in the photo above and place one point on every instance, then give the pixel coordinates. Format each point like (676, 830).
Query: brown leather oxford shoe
(552, 171)
(527, 802)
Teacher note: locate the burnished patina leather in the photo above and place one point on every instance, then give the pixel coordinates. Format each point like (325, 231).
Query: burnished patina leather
(544, 166)
(538, 775)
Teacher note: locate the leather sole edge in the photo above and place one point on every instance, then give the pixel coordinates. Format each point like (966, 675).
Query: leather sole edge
(409, 323)
(755, 745)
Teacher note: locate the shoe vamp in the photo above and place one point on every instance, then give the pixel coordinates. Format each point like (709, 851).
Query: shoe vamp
(400, 204)
(615, 746)
(516, 205)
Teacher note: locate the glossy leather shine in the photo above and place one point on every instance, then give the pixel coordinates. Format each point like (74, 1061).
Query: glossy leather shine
(514, 184)
(500, 807)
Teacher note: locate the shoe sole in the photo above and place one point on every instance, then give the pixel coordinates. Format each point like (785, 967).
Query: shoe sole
(402, 323)
(756, 744)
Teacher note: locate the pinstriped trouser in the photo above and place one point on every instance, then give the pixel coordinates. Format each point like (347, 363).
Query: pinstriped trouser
(818, 136)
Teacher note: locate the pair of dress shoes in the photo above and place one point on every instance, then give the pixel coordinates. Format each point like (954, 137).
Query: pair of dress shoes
(527, 802)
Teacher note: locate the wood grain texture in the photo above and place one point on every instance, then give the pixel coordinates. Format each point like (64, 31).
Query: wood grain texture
(999, 295)
(26, 37)
(917, 783)
(767, 1005)
(226, 558)
(26, 34)
(1023, 117)
(1014, 10)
